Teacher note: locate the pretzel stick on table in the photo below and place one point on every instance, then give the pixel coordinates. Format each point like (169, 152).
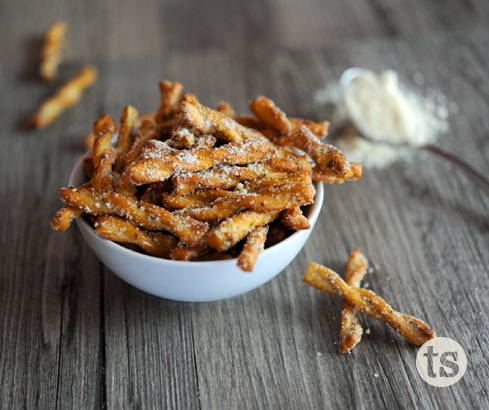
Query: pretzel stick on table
(66, 96)
(351, 329)
(51, 51)
(323, 278)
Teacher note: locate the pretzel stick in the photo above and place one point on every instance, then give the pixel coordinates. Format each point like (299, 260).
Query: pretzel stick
(103, 130)
(157, 169)
(51, 51)
(229, 202)
(229, 232)
(255, 243)
(124, 142)
(323, 278)
(272, 116)
(227, 109)
(66, 96)
(293, 218)
(319, 129)
(141, 213)
(63, 218)
(275, 198)
(120, 230)
(351, 329)
(182, 138)
(326, 156)
(266, 184)
(169, 95)
(211, 213)
(251, 121)
(202, 120)
(228, 176)
(224, 209)
(196, 199)
(223, 177)
(330, 177)
(103, 154)
(102, 179)
(145, 133)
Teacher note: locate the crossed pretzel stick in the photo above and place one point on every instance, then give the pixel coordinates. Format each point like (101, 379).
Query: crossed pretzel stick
(323, 278)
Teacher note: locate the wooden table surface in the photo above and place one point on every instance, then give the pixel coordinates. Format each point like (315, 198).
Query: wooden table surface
(73, 335)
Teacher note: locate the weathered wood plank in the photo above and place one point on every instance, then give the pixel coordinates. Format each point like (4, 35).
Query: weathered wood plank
(73, 335)
(118, 29)
(50, 284)
(149, 350)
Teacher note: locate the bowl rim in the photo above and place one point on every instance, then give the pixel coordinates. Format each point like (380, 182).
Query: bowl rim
(315, 209)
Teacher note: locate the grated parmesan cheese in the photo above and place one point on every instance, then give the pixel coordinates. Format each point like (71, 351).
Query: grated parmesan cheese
(383, 109)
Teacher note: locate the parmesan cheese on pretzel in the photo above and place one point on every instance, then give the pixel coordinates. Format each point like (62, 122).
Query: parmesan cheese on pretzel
(169, 94)
(160, 168)
(203, 120)
(255, 243)
(141, 213)
(124, 142)
(351, 329)
(118, 229)
(235, 228)
(64, 217)
(323, 278)
(293, 218)
(272, 116)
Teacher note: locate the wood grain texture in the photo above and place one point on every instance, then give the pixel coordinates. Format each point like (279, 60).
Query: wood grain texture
(72, 335)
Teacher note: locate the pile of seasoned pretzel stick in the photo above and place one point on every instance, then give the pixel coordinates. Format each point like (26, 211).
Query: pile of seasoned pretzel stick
(193, 183)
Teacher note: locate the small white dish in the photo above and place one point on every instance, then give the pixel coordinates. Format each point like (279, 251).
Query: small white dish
(351, 73)
(193, 281)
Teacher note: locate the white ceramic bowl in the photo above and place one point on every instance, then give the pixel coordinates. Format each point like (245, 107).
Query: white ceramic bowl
(193, 281)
